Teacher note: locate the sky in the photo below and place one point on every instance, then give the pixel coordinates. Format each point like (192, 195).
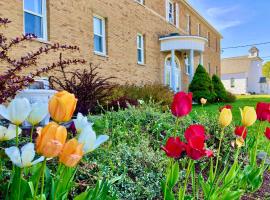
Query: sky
(241, 22)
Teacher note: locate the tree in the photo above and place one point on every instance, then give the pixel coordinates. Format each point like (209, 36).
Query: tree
(201, 86)
(266, 70)
(219, 89)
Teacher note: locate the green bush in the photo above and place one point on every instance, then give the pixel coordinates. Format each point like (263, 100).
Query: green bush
(219, 89)
(201, 86)
(155, 92)
(230, 97)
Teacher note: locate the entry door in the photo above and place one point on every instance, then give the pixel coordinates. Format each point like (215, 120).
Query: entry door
(172, 76)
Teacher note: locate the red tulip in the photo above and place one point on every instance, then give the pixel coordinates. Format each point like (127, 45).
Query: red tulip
(267, 133)
(195, 136)
(263, 111)
(182, 104)
(226, 106)
(241, 131)
(195, 154)
(174, 147)
(209, 153)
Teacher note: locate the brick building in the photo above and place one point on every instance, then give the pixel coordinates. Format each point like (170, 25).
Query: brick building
(137, 41)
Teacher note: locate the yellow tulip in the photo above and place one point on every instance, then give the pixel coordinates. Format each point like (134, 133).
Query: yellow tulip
(51, 140)
(62, 106)
(71, 153)
(225, 117)
(248, 115)
(240, 142)
(203, 101)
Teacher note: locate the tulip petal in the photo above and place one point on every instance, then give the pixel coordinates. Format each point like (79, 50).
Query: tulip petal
(100, 140)
(38, 112)
(87, 138)
(11, 132)
(14, 154)
(19, 109)
(4, 112)
(38, 160)
(3, 131)
(81, 122)
(28, 154)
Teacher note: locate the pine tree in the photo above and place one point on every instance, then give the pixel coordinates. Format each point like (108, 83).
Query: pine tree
(221, 93)
(201, 86)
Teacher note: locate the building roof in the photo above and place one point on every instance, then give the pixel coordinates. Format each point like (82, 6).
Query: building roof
(201, 17)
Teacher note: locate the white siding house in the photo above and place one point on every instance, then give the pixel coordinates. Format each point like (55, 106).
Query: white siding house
(243, 74)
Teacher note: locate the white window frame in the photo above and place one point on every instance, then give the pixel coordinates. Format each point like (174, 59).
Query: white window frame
(232, 82)
(140, 1)
(43, 17)
(140, 36)
(103, 35)
(188, 23)
(168, 3)
(199, 29)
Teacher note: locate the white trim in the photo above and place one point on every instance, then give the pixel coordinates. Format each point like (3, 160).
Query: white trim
(103, 35)
(170, 20)
(43, 17)
(177, 62)
(140, 37)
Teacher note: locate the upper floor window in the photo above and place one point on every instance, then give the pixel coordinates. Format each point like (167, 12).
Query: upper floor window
(170, 11)
(99, 35)
(199, 29)
(232, 82)
(209, 68)
(188, 24)
(208, 38)
(35, 20)
(140, 1)
(140, 48)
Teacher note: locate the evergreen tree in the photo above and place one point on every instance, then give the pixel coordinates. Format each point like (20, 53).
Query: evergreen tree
(201, 86)
(219, 89)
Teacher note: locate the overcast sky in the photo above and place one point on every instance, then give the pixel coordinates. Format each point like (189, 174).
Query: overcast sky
(240, 22)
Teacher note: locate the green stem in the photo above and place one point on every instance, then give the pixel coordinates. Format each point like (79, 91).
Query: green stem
(219, 146)
(60, 173)
(254, 157)
(182, 195)
(167, 178)
(42, 178)
(38, 179)
(20, 180)
(264, 160)
(17, 135)
(176, 126)
(31, 134)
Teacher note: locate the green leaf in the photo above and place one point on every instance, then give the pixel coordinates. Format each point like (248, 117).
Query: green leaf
(174, 175)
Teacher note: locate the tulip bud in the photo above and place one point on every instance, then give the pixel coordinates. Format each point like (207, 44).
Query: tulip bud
(71, 153)
(225, 117)
(182, 104)
(62, 106)
(51, 139)
(203, 101)
(239, 142)
(248, 115)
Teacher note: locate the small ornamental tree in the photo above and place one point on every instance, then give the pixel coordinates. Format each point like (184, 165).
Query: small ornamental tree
(266, 70)
(219, 89)
(201, 86)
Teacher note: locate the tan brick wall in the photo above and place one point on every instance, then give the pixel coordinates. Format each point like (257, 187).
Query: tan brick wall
(71, 22)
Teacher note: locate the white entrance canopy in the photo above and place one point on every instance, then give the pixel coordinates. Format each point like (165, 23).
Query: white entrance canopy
(174, 42)
(182, 42)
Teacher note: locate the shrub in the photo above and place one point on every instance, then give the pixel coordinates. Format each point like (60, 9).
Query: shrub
(219, 89)
(158, 93)
(122, 103)
(230, 97)
(86, 85)
(201, 86)
(11, 80)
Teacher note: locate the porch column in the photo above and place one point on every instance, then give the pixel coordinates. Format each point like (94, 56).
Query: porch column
(191, 64)
(173, 70)
(201, 58)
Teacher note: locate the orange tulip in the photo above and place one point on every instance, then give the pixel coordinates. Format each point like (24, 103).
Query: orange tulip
(51, 140)
(72, 153)
(62, 106)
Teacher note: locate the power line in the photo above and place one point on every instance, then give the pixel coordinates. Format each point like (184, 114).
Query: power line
(247, 45)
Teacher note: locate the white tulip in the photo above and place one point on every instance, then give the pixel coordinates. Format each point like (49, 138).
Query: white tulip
(38, 112)
(89, 140)
(8, 133)
(17, 111)
(81, 122)
(23, 158)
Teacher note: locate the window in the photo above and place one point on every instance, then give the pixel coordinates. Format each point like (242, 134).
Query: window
(140, 49)
(209, 68)
(232, 82)
(208, 38)
(35, 21)
(140, 1)
(216, 70)
(99, 35)
(199, 30)
(170, 11)
(188, 24)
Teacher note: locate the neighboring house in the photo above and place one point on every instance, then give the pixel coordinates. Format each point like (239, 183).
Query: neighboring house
(136, 41)
(243, 74)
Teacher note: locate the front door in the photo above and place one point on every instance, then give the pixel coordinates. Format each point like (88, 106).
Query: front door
(173, 82)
